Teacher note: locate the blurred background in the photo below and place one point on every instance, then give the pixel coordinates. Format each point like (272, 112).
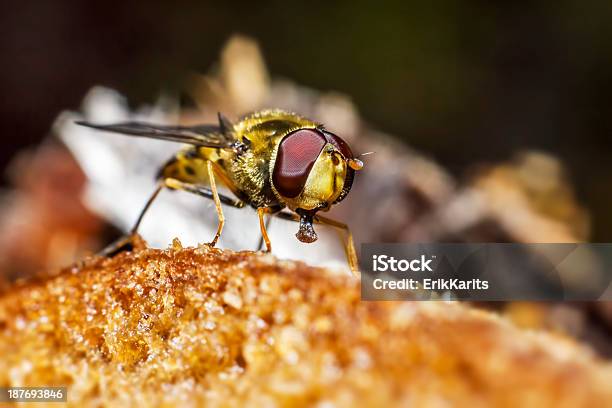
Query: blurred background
(491, 121)
(466, 82)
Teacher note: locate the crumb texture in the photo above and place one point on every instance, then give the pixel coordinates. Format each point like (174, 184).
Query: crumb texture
(199, 326)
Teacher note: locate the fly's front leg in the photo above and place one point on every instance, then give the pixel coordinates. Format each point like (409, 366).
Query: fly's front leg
(261, 211)
(349, 245)
(266, 225)
(261, 238)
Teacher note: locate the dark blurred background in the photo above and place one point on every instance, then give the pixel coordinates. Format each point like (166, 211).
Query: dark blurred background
(464, 82)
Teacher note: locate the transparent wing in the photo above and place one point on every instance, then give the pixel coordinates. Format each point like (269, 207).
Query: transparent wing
(199, 135)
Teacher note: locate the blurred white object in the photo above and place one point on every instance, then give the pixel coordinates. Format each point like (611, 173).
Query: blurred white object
(121, 172)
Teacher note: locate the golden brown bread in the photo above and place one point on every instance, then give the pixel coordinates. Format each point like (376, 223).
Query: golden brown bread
(192, 326)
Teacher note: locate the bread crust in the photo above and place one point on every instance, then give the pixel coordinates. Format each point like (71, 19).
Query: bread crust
(193, 326)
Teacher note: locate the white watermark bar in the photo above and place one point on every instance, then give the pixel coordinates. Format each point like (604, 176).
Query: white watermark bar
(486, 272)
(33, 394)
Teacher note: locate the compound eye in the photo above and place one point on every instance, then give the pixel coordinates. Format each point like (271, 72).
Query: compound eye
(340, 144)
(297, 153)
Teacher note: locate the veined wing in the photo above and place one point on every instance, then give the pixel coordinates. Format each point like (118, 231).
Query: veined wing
(217, 136)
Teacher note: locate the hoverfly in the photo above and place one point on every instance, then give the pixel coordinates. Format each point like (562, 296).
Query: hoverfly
(271, 160)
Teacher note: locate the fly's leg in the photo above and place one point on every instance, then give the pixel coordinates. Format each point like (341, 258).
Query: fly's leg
(349, 245)
(208, 193)
(261, 211)
(268, 210)
(125, 241)
(213, 187)
(261, 238)
(202, 191)
(134, 229)
(175, 184)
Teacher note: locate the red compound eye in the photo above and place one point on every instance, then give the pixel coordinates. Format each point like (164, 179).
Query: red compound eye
(296, 155)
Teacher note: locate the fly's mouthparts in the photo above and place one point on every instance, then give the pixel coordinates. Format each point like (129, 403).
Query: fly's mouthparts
(306, 232)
